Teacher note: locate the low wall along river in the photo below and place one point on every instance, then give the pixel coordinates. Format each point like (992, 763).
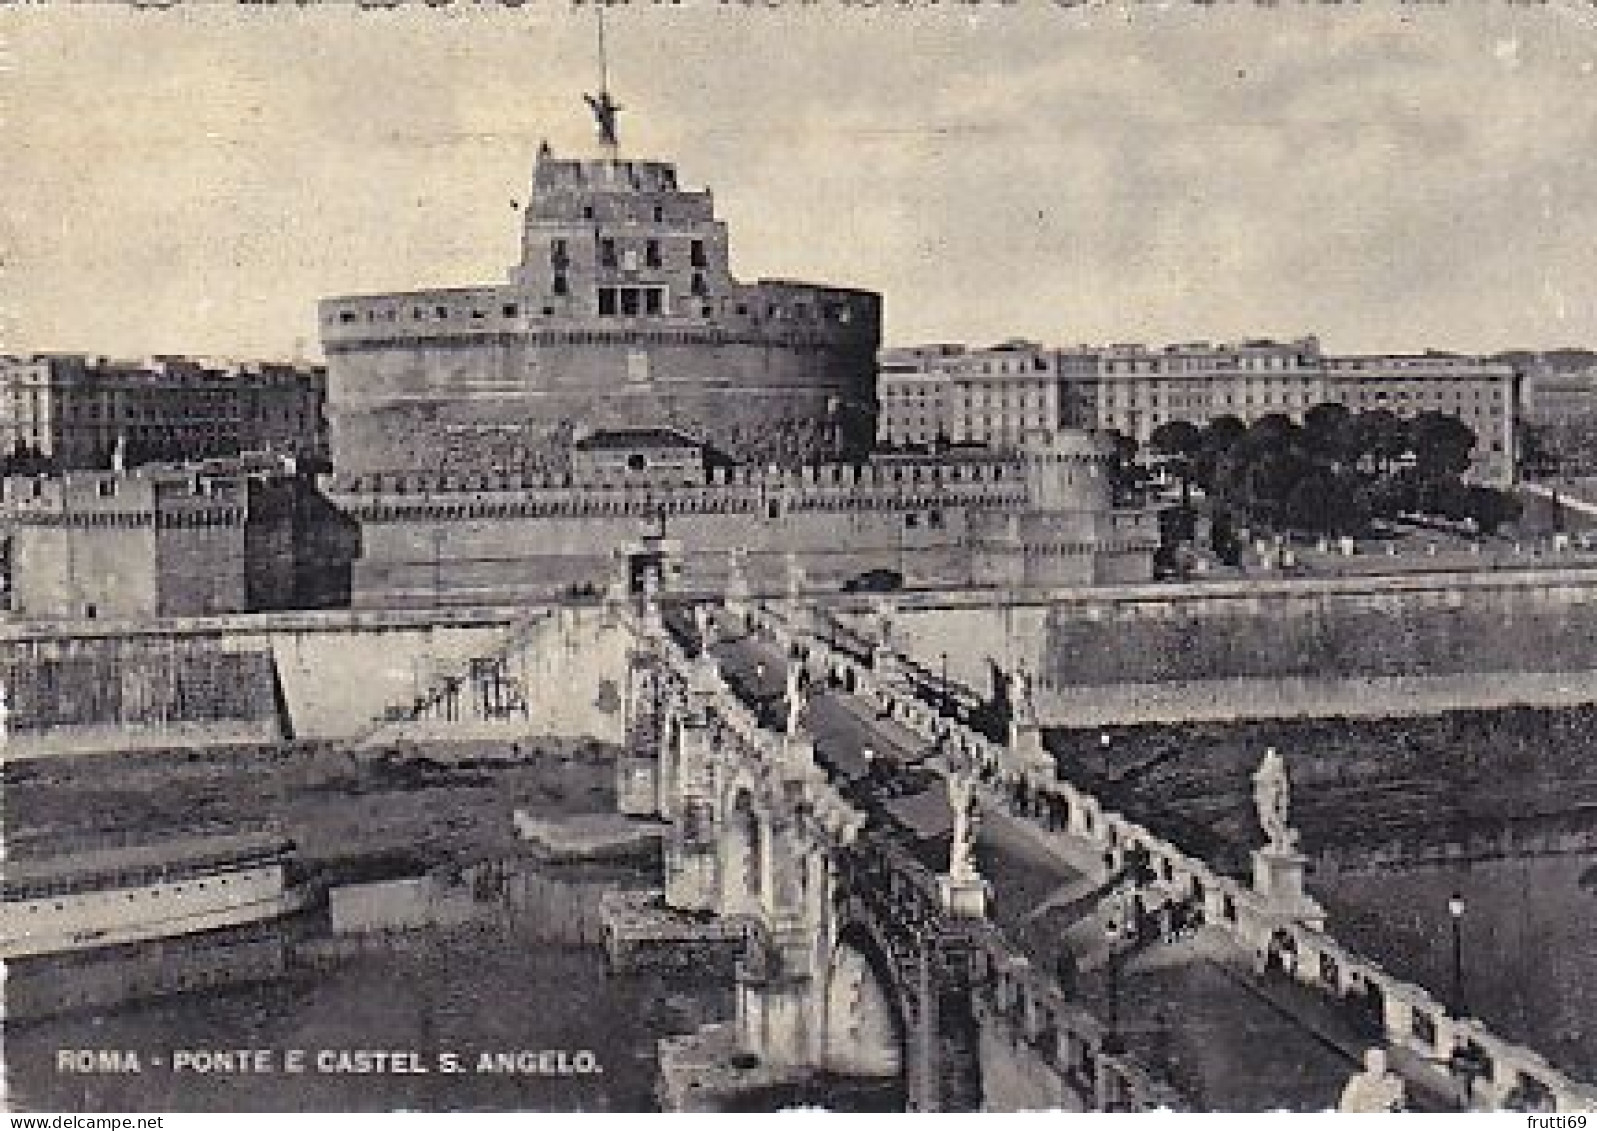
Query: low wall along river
(1231, 650)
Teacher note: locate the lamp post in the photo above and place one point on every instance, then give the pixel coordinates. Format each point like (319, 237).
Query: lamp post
(1116, 931)
(1103, 753)
(1463, 1062)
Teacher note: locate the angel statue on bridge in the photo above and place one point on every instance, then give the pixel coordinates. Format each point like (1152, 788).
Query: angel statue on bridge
(962, 838)
(1022, 701)
(1271, 797)
(797, 700)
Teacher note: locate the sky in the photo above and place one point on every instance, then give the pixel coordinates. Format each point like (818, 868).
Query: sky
(1387, 176)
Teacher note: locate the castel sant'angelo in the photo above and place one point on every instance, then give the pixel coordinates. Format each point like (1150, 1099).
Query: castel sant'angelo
(623, 313)
(623, 394)
(621, 406)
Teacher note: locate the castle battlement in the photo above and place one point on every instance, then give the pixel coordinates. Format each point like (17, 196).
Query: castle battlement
(889, 475)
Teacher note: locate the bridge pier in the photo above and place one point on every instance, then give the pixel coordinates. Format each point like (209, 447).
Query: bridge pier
(776, 998)
(692, 859)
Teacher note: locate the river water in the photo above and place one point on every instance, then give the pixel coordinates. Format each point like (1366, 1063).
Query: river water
(508, 967)
(1528, 942)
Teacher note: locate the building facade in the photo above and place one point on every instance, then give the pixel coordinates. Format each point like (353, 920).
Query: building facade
(61, 412)
(994, 395)
(934, 396)
(622, 313)
(1139, 388)
(1483, 394)
(914, 394)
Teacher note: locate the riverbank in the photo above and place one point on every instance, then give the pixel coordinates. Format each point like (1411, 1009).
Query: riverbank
(354, 817)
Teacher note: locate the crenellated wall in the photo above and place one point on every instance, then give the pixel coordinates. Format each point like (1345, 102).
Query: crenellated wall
(165, 540)
(483, 537)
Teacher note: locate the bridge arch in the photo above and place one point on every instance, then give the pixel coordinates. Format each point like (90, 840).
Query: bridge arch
(864, 1030)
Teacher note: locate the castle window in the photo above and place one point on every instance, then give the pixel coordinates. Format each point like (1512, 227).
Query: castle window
(607, 301)
(653, 300)
(560, 285)
(559, 257)
(629, 301)
(587, 213)
(699, 287)
(511, 310)
(607, 253)
(346, 316)
(696, 253)
(442, 311)
(659, 214)
(651, 252)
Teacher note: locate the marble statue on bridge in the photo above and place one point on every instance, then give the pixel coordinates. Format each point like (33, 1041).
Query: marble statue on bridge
(885, 609)
(1271, 797)
(736, 597)
(1022, 699)
(962, 838)
(796, 699)
(1278, 867)
(795, 579)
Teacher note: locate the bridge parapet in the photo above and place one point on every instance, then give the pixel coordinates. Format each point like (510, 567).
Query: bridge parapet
(1030, 1006)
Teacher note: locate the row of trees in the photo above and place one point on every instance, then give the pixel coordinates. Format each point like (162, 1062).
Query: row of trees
(1335, 472)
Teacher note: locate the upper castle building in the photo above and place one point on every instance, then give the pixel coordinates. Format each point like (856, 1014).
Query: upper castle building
(623, 313)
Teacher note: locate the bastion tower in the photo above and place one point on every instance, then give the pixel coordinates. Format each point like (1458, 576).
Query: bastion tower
(622, 314)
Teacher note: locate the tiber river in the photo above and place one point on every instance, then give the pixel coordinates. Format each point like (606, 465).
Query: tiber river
(508, 966)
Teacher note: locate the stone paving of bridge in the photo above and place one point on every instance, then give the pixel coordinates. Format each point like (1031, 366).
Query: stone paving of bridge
(1229, 1038)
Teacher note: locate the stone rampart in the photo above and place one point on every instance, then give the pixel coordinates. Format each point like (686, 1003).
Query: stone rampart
(1298, 648)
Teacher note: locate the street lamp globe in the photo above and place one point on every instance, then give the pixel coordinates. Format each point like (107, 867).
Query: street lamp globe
(1455, 905)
